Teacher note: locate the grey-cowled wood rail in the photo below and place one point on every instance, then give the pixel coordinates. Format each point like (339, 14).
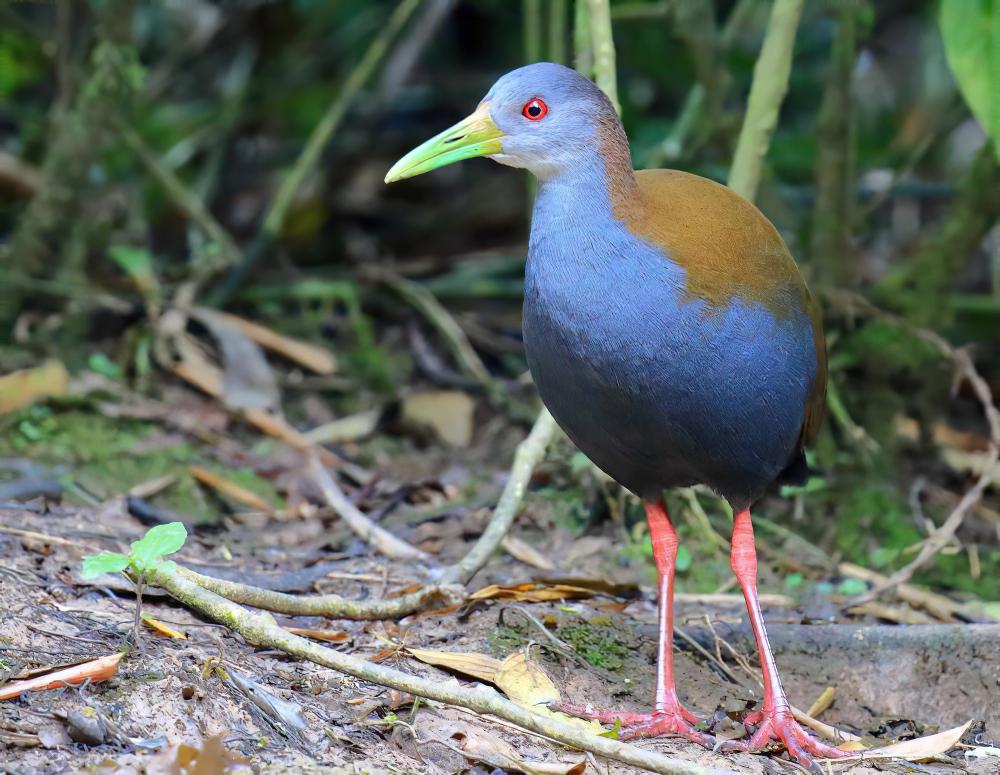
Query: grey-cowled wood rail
(669, 332)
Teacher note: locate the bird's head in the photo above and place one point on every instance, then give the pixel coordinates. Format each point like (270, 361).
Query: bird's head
(543, 117)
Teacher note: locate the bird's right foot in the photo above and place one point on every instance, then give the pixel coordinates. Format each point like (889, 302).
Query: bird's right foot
(673, 720)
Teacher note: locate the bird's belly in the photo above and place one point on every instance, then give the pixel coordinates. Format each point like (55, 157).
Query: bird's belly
(659, 392)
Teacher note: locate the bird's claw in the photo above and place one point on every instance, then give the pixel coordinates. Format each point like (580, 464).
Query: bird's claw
(779, 725)
(677, 721)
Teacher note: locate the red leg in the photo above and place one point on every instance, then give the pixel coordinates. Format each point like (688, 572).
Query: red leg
(668, 716)
(775, 716)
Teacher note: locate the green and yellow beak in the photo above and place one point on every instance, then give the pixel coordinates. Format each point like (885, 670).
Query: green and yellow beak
(473, 136)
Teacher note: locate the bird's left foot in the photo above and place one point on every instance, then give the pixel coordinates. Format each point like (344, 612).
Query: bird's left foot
(778, 724)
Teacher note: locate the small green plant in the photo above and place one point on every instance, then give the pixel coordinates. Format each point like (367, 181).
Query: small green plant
(145, 555)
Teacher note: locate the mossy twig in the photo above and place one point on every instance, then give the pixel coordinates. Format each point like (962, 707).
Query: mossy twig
(332, 606)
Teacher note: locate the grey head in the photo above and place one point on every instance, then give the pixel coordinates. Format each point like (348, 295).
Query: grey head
(552, 118)
(543, 117)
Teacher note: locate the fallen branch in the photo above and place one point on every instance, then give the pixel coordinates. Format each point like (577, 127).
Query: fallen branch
(378, 537)
(261, 629)
(427, 305)
(333, 606)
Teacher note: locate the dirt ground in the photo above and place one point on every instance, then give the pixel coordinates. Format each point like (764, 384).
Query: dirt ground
(890, 680)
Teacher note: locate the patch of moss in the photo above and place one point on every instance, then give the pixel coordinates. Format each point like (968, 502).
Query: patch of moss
(505, 640)
(596, 643)
(98, 454)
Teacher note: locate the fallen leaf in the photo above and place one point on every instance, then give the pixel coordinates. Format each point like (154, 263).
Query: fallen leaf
(248, 382)
(162, 629)
(289, 713)
(478, 666)
(524, 682)
(314, 358)
(915, 750)
(446, 413)
(330, 636)
(231, 489)
(531, 593)
(212, 758)
(526, 553)
(94, 671)
(491, 750)
(23, 388)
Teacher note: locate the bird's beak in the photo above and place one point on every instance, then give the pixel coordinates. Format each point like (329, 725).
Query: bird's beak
(473, 136)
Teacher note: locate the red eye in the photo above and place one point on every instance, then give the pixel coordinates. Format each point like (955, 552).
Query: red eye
(534, 110)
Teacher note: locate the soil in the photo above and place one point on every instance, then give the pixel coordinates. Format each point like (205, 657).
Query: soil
(892, 680)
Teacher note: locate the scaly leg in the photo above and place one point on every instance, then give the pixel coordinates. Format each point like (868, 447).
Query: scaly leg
(775, 716)
(668, 716)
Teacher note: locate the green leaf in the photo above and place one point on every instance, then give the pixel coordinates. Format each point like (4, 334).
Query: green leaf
(851, 587)
(794, 580)
(971, 33)
(103, 365)
(683, 559)
(138, 264)
(158, 542)
(105, 562)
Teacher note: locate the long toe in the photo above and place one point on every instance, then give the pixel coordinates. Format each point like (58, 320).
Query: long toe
(676, 721)
(780, 726)
(663, 724)
(591, 713)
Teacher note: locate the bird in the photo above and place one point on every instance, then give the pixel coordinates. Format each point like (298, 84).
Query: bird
(669, 332)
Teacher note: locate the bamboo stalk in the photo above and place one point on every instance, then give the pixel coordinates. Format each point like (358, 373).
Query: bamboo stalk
(770, 83)
(604, 49)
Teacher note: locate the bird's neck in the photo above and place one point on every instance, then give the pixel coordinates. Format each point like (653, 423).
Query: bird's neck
(591, 194)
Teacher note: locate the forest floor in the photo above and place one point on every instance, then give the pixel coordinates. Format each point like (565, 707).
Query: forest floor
(892, 682)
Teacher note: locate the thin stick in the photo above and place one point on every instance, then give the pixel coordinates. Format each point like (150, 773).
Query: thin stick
(965, 373)
(529, 454)
(427, 305)
(188, 201)
(770, 82)
(331, 606)
(261, 629)
(379, 537)
(274, 220)
(604, 49)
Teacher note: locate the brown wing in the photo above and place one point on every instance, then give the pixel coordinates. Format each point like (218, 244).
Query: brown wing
(742, 254)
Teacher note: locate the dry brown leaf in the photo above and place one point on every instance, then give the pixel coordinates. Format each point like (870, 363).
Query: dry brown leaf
(162, 629)
(95, 670)
(314, 358)
(448, 414)
(915, 750)
(330, 636)
(531, 593)
(23, 388)
(524, 681)
(478, 666)
(526, 684)
(231, 489)
(526, 553)
(493, 751)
